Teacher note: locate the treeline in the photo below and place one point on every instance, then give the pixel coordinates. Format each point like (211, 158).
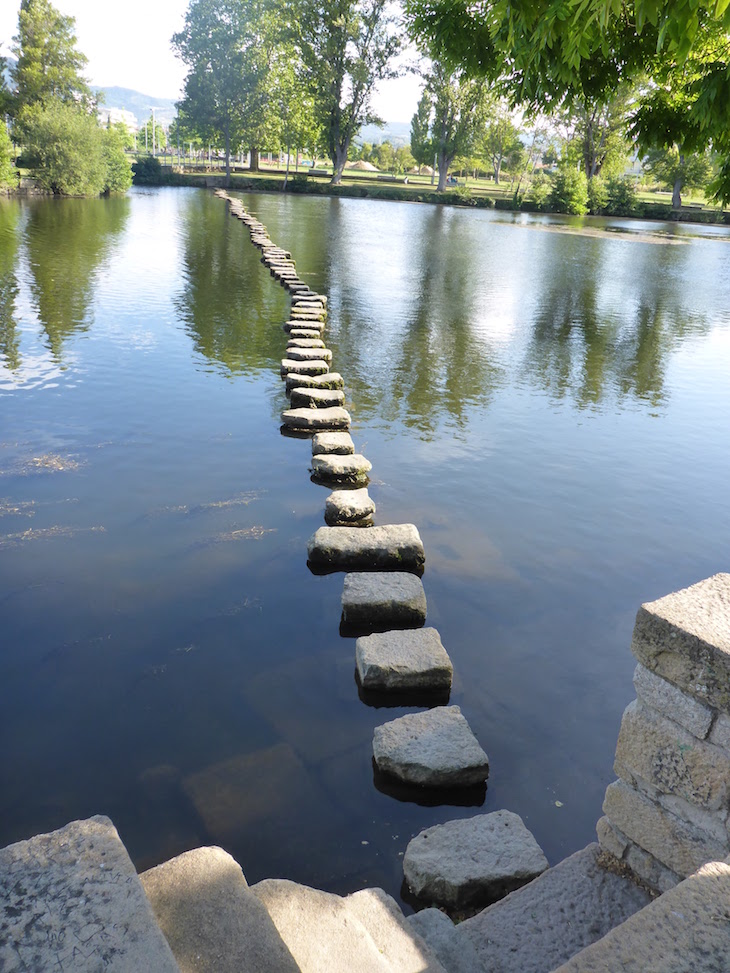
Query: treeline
(53, 114)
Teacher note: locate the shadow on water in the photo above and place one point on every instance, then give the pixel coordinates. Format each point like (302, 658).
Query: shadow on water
(67, 243)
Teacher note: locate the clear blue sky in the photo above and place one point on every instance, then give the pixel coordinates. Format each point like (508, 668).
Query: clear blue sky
(129, 45)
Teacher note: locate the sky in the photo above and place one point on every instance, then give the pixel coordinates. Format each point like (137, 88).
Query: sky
(129, 47)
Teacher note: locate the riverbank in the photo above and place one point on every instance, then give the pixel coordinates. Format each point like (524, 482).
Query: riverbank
(391, 188)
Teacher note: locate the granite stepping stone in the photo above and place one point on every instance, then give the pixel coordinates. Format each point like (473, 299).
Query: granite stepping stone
(316, 367)
(404, 661)
(333, 442)
(477, 860)
(309, 354)
(299, 333)
(338, 468)
(391, 547)
(335, 418)
(432, 749)
(381, 601)
(310, 296)
(302, 398)
(327, 380)
(349, 508)
(316, 326)
(305, 343)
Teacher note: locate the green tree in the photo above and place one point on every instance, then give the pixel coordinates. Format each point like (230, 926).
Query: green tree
(569, 193)
(8, 172)
(678, 170)
(403, 161)
(117, 170)
(63, 145)
(383, 156)
(345, 48)
(48, 66)
(421, 143)
(501, 138)
(149, 128)
(459, 106)
(220, 44)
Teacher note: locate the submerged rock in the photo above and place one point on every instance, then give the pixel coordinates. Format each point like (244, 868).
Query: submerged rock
(477, 860)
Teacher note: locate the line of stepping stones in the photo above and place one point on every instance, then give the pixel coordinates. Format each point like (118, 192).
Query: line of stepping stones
(384, 605)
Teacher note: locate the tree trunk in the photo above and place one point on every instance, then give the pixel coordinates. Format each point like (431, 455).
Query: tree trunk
(677, 194)
(339, 159)
(228, 154)
(444, 161)
(254, 164)
(497, 170)
(286, 175)
(296, 160)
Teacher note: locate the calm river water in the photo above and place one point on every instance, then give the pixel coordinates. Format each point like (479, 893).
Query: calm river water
(549, 404)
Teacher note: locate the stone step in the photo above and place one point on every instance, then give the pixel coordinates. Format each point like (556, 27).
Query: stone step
(542, 925)
(472, 861)
(71, 900)
(435, 748)
(303, 398)
(365, 932)
(376, 602)
(349, 508)
(686, 929)
(326, 380)
(298, 325)
(316, 367)
(333, 442)
(341, 467)
(305, 343)
(212, 920)
(334, 418)
(408, 661)
(309, 354)
(391, 547)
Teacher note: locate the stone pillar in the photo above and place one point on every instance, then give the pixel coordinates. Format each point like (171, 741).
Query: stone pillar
(667, 814)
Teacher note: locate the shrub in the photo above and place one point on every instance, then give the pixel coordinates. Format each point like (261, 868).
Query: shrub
(8, 172)
(570, 192)
(64, 148)
(539, 192)
(597, 195)
(621, 196)
(147, 170)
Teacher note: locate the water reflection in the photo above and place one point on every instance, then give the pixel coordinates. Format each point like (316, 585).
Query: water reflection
(9, 287)
(229, 301)
(67, 242)
(590, 341)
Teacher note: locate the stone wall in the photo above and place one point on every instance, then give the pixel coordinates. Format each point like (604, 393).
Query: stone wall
(667, 814)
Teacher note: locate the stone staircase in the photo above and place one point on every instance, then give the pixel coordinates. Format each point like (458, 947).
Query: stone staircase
(71, 902)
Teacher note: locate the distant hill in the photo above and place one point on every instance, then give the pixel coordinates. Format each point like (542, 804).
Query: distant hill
(138, 104)
(397, 133)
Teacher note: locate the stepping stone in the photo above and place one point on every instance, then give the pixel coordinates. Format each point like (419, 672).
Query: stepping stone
(212, 920)
(381, 601)
(390, 547)
(309, 354)
(305, 343)
(543, 924)
(300, 333)
(317, 326)
(365, 932)
(405, 661)
(477, 860)
(349, 508)
(335, 418)
(316, 398)
(327, 380)
(333, 442)
(310, 295)
(71, 900)
(432, 749)
(435, 927)
(316, 367)
(338, 468)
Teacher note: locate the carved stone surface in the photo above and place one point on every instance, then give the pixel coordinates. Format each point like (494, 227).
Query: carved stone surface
(403, 660)
(388, 547)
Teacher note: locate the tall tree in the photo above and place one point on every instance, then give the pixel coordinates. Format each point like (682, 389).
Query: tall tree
(221, 45)
(678, 170)
(500, 140)
(421, 144)
(346, 47)
(459, 107)
(49, 66)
